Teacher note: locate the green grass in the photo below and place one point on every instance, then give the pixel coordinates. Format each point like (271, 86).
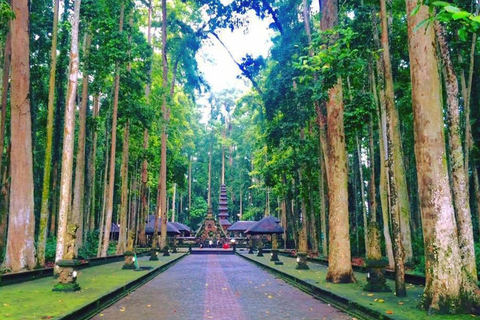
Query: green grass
(35, 299)
(384, 303)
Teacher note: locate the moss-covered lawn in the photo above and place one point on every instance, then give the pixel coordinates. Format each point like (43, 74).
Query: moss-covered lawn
(384, 303)
(35, 299)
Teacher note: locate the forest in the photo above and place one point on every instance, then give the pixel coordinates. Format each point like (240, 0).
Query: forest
(359, 131)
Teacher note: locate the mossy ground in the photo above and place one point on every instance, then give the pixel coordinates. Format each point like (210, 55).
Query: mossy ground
(385, 303)
(36, 300)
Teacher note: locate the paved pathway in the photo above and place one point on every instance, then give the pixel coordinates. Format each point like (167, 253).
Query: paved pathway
(218, 287)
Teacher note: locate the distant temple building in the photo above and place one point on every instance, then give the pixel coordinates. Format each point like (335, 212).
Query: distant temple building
(223, 208)
(212, 228)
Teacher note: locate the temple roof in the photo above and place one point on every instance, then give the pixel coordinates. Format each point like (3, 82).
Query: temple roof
(225, 222)
(241, 225)
(150, 227)
(267, 225)
(180, 226)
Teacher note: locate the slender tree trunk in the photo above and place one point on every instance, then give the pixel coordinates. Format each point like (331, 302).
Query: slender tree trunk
(101, 228)
(144, 209)
(20, 253)
(395, 140)
(383, 185)
(111, 180)
(173, 201)
(190, 185)
(5, 85)
(458, 173)
(446, 287)
(44, 212)
(122, 236)
(92, 167)
(79, 186)
(323, 205)
(4, 204)
(68, 139)
(54, 214)
(166, 118)
(362, 196)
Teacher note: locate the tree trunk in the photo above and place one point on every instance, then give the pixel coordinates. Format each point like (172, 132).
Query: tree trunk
(395, 140)
(339, 258)
(173, 201)
(166, 118)
(458, 173)
(362, 196)
(68, 140)
(123, 234)
(5, 85)
(446, 289)
(92, 168)
(20, 253)
(4, 204)
(47, 165)
(144, 209)
(79, 186)
(111, 180)
(101, 227)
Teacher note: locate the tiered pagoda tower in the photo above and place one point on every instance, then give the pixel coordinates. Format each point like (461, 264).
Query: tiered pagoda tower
(223, 208)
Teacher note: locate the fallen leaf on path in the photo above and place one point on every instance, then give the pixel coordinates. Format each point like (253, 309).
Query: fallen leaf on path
(389, 311)
(270, 297)
(149, 305)
(370, 294)
(401, 303)
(101, 314)
(122, 309)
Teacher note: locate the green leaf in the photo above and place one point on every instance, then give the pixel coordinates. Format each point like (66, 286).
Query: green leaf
(440, 4)
(452, 9)
(460, 15)
(421, 24)
(415, 10)
(475, 18)
(462, 34)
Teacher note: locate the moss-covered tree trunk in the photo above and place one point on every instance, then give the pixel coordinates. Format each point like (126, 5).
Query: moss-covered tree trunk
(166, 118)
(111, 179)
(20, 253)
(5, 86)
(5, 192)
(458, 172)
(123, 233)
(92, 159)
(68, 139)
(396, 144)
(446, 287)
(47, 165)
(144, 208)
(79, 184)
(362, 195)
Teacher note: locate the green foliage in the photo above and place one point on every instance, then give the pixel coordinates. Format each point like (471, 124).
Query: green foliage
(90, 246)
(50, 248)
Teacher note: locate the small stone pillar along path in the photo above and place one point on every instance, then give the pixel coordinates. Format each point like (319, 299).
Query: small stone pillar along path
(218, 287)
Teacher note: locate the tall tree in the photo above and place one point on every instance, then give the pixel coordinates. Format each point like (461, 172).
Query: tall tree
(20, 252)
(447, 288)
(79, 185)
(111, 179)
(68, 138)
(166, 118)
(339, 255)
(47, 166)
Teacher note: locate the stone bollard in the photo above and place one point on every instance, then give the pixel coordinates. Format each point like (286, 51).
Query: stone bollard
(302, 261)
(67, 279)
(129, 260)
(376, 281)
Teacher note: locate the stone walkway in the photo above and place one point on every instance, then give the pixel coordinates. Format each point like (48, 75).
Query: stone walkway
(218, 287)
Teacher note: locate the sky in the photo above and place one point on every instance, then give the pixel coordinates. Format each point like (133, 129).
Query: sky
(218, 67)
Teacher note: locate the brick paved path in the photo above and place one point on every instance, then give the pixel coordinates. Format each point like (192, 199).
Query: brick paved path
(218, 287)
